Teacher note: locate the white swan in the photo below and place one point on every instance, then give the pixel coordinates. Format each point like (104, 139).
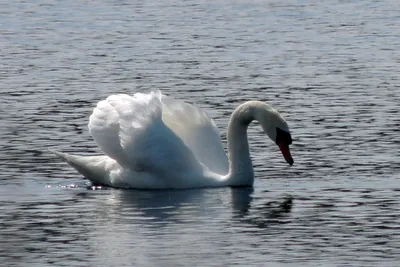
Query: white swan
(152, 141)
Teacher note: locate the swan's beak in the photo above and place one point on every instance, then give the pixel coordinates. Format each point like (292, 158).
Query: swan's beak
(286, 153)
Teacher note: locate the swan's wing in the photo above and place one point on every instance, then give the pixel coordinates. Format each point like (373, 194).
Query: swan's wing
(104, 126)
(198, 131)
(131, 131)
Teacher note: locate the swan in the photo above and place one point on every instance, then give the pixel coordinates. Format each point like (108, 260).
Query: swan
(153, 141)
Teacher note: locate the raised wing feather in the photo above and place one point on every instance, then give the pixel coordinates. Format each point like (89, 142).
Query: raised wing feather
(104, 127)
(198, 131)
(131, 131)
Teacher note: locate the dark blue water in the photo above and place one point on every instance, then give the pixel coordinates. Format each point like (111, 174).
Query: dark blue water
(330, 67)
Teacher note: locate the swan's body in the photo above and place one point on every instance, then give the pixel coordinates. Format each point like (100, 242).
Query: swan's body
(152, 141)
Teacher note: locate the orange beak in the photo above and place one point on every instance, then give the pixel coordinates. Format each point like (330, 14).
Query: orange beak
(286, 153)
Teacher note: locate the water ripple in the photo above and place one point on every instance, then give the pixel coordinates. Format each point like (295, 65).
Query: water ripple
(330, 68)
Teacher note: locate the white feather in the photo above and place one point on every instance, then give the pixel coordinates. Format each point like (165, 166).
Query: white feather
(198, 131)
(160, 135)
(156, 142)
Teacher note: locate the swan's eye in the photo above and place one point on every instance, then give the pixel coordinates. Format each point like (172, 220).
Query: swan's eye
(283, 137)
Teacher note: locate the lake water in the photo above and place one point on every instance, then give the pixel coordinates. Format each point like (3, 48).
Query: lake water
(330, 67)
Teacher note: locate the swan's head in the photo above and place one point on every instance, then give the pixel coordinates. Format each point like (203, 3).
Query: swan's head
(275, 126)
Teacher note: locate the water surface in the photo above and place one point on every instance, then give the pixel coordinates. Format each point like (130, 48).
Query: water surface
(330, 67)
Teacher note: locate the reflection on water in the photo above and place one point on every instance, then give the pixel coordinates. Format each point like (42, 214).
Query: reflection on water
(61, 221)
(75, 225)
(262, 216)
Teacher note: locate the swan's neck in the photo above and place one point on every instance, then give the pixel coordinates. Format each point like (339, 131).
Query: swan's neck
(240, 166)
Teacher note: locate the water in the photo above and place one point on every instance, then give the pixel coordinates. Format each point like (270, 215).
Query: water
(331, 68)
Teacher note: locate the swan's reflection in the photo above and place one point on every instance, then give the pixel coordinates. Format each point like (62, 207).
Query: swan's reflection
(126, 221)
(241, 199)
(164, 205)
(260, 214)
(155, 208)
(159, 208)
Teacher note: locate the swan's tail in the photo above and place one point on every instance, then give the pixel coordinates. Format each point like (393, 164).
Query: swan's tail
(64, 156)
(93, 168)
